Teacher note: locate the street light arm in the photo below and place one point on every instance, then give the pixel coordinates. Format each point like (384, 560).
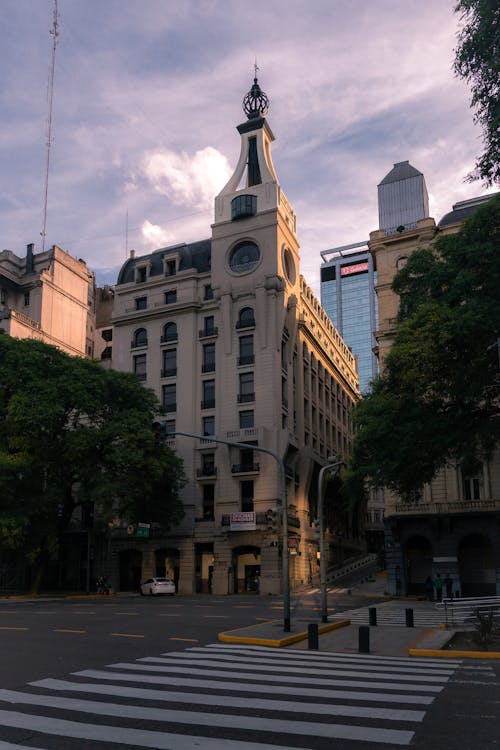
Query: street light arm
(279, 461)
(322, 556)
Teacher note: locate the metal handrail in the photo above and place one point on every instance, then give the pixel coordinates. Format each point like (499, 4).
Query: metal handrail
(464, 606)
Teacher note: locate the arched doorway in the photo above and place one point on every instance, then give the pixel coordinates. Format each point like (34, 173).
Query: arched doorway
(167, 564)
(130, 569)
(418, 557)
(246, 569)
(476, 566)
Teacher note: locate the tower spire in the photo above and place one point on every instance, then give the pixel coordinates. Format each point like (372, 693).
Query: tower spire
(256, 102)
(54, 33)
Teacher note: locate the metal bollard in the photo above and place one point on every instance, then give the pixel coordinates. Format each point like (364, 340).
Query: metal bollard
(372, 614)
(312, 636)
(409, 618)
(364, 639)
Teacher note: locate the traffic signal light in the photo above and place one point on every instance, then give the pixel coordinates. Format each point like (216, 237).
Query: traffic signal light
(272, 520)
(160, 433)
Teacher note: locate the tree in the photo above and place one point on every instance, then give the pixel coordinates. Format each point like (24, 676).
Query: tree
(438, 398)
(477, 60)
(73, 433)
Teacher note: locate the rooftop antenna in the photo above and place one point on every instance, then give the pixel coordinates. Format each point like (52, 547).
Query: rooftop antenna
(54, 33)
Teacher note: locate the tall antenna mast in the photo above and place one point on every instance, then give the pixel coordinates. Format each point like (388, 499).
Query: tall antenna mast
(54, 33)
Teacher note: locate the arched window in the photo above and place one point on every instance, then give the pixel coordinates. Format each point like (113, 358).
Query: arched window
(169, 332)
(246, 318)
(140, 337)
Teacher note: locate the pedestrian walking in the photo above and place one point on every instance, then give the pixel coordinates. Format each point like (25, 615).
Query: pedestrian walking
(438, 585)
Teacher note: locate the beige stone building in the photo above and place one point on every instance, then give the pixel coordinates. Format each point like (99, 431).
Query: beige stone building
(453, 528)
(48, 296)
(229, 335)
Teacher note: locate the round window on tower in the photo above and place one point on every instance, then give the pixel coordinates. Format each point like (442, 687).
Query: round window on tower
(244, 257)
(289, 265)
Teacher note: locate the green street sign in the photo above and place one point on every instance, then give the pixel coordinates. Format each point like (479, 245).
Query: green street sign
(142, 529)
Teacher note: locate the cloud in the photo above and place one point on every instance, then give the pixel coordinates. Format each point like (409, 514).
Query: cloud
(155, 236)
(187, 180)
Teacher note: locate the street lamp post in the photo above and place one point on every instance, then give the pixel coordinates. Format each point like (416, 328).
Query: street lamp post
(336, 463)
(285, 569)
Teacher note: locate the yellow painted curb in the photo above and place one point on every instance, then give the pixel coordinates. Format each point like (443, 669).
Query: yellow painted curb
(454, 654)
(233, 637)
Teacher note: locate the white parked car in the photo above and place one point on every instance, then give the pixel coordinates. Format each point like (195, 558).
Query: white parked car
(154, 586)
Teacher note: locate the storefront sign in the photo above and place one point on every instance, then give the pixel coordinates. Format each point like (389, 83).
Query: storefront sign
(354, 268)
(243, 521)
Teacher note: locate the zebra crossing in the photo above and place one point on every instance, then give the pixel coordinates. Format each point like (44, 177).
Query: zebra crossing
(228, 697)
(389, 613)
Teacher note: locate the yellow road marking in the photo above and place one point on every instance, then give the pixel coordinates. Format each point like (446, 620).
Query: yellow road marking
(67, 630)
(128, 635)
(7, 628)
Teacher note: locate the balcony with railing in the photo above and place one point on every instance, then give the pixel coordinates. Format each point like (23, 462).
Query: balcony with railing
(453, 507)
(208, 367)
(208, 403)
(245, 398)
(170, 372)
(209, 471)
(245, 468)
(210, 332)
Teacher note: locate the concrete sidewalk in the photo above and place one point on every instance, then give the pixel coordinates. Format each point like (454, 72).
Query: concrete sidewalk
(342, 637)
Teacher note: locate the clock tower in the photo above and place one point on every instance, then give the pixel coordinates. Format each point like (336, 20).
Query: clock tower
(254, 242)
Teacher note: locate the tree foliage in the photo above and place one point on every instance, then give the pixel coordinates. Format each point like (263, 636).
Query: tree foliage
(73, 433)
(438, 398)
(477, 60)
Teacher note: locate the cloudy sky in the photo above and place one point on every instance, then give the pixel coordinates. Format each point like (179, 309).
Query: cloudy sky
(147, 95)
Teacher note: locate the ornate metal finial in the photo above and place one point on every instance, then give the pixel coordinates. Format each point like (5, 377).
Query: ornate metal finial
(255, 103)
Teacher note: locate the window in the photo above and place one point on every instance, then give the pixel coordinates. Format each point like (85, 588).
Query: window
(246, 494)
(208, 426)
(208, 502)
(246, 419)
(242, 206)
(244, 257)
(208, 363)
(169, 397)
(246, 318)
(169, 332)
(169, 363)
(209, 325)
(171, 296)
(26, 299)
(246, 459)
(140, 366)
(208, 292)
(141, 274)
(283, 355)
(170, 269)
(3, 296)
(246, 388)
(141, 303)
(246, 350)
(140, 337)
(208, 464)
(208, 399)
(471, 487)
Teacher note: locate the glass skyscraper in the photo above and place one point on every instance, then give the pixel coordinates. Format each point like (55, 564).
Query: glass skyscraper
(348, 296)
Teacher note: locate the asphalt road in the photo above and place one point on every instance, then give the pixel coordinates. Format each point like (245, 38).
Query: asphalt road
(150, 673)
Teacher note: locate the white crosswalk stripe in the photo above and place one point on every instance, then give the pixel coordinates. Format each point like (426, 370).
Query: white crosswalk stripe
(228, 697)
(395, 614)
